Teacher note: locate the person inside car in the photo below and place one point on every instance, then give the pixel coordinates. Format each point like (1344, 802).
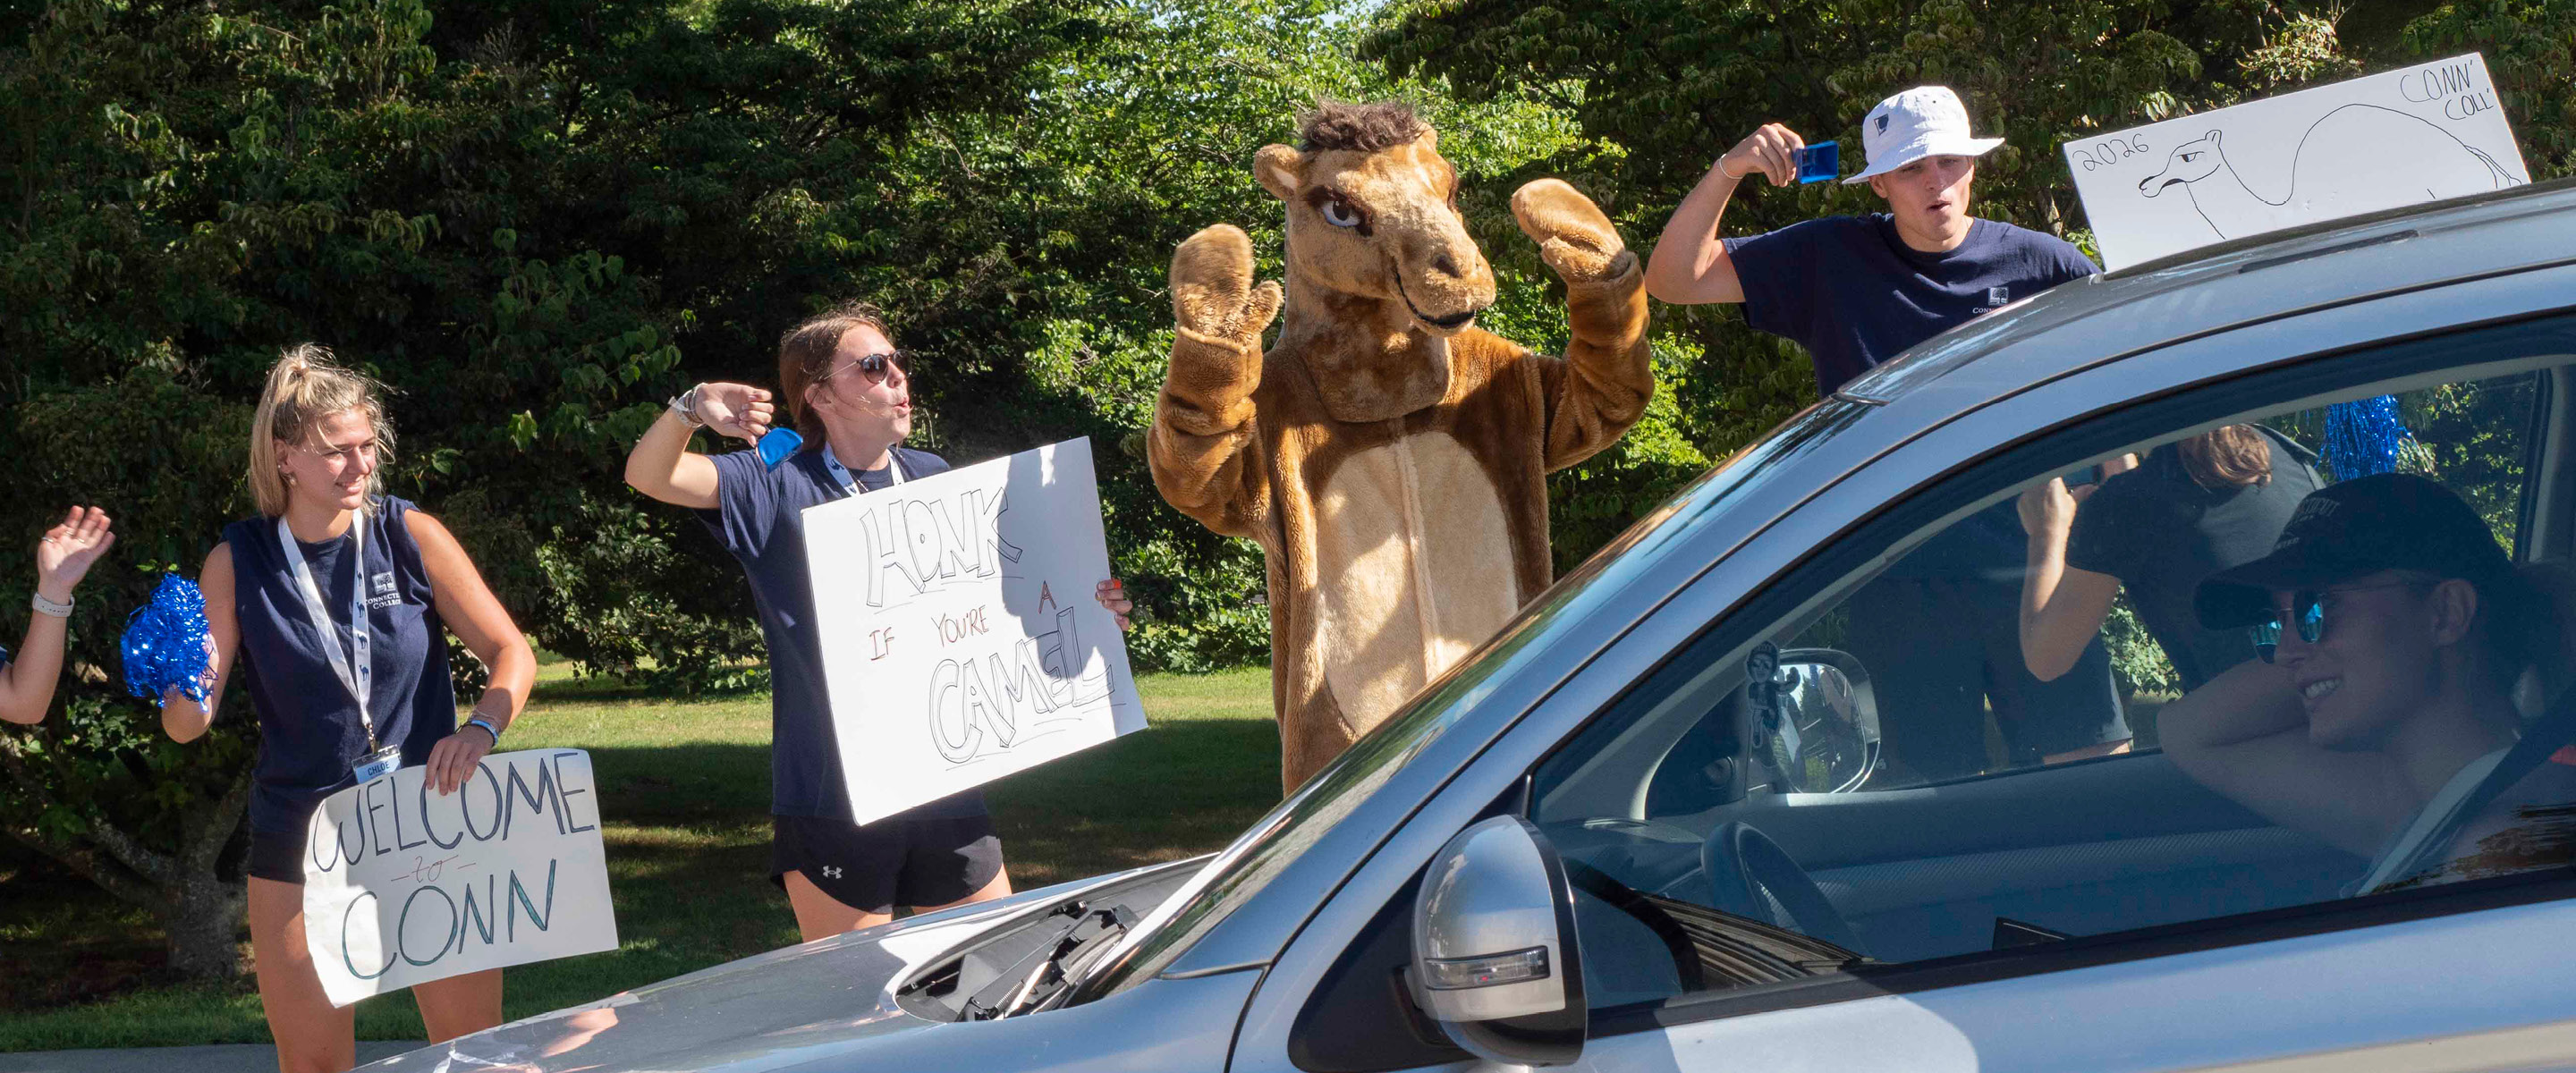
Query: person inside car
(2394, 632)
(2194, 507)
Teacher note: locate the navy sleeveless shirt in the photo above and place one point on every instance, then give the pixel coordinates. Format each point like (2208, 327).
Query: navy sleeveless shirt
(309, 730)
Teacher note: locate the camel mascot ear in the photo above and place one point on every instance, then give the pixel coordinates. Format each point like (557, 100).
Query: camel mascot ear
(1279, 167)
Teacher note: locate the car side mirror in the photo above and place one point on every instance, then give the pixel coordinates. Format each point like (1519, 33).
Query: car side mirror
(1822, 734)
(1495, 961)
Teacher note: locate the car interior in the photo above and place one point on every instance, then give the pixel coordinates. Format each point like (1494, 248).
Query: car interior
(1754, 799)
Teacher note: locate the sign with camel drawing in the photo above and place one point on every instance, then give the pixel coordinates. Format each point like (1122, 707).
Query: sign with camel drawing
(961, 639)
(2426, 132)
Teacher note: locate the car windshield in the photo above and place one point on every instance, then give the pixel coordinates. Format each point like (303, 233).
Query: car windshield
(1274, 843)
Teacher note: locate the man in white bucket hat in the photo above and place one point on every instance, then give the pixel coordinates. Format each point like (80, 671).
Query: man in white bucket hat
(1857, 291)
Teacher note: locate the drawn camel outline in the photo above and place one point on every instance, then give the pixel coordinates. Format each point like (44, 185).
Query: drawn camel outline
(2355, 141)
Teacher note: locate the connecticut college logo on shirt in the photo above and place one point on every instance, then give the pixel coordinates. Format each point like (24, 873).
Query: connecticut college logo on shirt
(1996, 298)
(380, 591)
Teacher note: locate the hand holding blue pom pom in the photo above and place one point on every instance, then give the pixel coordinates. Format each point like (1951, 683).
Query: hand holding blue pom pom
(168, 645)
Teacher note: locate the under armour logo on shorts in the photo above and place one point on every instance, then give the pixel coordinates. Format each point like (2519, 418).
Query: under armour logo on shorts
(831, 872)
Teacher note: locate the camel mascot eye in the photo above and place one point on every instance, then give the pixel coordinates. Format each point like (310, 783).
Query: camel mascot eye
(1393, 478)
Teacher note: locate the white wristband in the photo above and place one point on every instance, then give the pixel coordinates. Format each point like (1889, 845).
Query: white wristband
(686, 405)
(1721, 169)
(48, 607)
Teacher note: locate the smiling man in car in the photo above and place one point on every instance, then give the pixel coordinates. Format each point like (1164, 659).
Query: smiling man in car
(1857, 291)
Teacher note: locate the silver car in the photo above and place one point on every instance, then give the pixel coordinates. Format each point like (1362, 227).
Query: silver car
(1669, 820)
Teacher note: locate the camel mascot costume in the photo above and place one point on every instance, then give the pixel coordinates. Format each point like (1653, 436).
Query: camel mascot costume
(1390, 459)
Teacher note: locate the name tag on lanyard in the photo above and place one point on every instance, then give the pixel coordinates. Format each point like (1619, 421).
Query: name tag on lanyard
(354, 668)
(850, 484)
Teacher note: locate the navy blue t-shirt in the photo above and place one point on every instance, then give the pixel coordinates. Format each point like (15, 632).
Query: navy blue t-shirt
(1854, 294)
(309, 732)
(2160, 532)
(760, 518)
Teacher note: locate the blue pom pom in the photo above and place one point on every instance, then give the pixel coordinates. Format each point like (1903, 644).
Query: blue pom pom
(165, 642)
(2363, 438)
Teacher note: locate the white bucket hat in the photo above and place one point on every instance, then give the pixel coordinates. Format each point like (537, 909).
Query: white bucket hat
(1920, 122)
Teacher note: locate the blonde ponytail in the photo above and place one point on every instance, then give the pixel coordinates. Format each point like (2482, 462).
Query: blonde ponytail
(305, 386)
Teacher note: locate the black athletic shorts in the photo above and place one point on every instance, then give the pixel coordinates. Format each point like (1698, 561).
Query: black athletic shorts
(894, 861)
(277, 856)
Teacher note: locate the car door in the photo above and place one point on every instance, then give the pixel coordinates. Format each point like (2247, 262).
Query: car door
(2103, 912)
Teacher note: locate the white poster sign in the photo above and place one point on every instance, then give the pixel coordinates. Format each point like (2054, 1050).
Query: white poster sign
(961, 640)
(404, 884)
(2419, 134)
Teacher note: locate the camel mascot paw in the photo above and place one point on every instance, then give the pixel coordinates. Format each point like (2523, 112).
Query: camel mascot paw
(1573, 237)
(1212, 289)
(1389, 456)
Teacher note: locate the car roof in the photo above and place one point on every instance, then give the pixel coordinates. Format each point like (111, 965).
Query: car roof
(2214, 288)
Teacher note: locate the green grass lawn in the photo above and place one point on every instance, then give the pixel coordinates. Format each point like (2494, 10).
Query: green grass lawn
(684, 796)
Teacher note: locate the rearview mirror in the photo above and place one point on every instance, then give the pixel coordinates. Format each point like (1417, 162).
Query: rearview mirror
(1823, 734)
(1494, 955)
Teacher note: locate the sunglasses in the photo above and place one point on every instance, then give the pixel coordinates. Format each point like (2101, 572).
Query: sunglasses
(873, 366)
(2308, 610)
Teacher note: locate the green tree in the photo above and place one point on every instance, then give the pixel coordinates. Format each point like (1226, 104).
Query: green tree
(1661, 87)
(514, 215)
(535, 221)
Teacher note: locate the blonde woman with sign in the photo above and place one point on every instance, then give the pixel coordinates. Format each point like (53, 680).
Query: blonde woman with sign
(333, 597)
(63, 557)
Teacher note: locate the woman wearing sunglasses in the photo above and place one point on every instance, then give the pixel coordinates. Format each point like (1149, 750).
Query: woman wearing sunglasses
(849, 391)
(2393, 633)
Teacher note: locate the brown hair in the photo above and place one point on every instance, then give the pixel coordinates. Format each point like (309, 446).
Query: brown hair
(805, 354)
(305, 386)
(2220, 459)
(1365, 128)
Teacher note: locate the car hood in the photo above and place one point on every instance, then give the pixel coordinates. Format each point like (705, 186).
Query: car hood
(776, 1010)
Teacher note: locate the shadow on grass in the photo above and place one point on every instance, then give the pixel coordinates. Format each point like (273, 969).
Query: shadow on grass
(1172, 790)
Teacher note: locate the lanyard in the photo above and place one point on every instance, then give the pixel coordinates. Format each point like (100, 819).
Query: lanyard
(849, 484)
(353, 668)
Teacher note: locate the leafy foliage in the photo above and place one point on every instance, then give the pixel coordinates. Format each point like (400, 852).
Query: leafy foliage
(1660, 88)
(535, 221)
(521, 218)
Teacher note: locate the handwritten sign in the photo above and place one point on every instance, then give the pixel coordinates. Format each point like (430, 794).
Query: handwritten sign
(961, 641)
(403, 884)
(2418, 134)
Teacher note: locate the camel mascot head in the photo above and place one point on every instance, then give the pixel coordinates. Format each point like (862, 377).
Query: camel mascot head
(1373, 212)
(1389, 456)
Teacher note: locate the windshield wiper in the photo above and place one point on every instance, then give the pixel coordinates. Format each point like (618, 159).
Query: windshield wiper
(1045, 979)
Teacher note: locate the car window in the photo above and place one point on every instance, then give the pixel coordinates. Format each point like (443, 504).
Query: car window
(1243, 869)
(1924, 754)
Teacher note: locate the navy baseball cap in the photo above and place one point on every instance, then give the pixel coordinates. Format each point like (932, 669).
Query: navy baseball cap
(2388, 521)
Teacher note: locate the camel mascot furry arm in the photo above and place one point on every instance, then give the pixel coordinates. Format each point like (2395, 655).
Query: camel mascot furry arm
(1389, 457)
